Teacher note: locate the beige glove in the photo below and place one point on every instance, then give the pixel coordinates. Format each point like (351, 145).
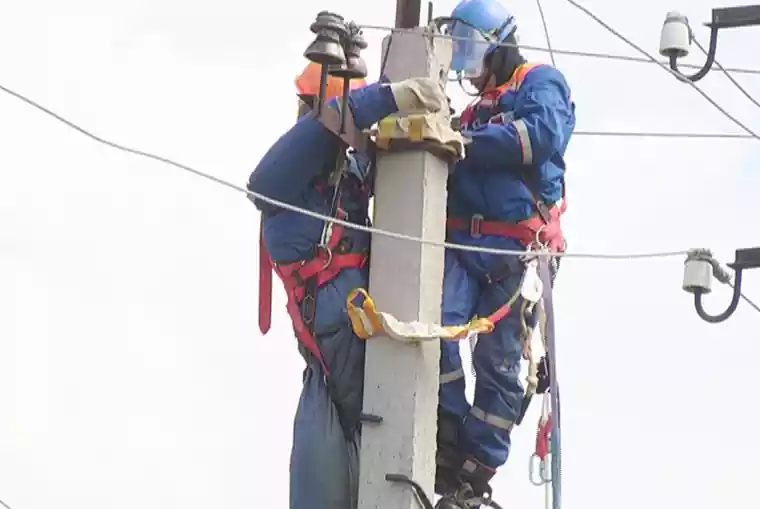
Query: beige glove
(416, 94)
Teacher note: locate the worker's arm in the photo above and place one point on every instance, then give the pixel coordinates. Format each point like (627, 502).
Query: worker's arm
(293, 161)
(544, 120)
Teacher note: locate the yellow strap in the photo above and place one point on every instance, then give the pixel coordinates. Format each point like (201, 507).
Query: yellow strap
(390, 128)
(416, 128)
(368, 322)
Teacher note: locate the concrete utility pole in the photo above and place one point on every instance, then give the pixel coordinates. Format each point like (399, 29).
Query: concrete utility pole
(402, 380)
(408, 13)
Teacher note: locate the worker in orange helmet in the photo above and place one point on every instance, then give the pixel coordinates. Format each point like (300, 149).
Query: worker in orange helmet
(313, 169)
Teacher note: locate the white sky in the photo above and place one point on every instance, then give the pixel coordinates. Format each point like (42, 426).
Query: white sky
(132, 373)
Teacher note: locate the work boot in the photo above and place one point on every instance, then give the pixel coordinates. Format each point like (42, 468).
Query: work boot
(448, 459)
(477, 476)
(462, 498)
(470, 487)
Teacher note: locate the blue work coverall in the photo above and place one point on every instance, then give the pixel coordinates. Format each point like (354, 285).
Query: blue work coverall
(537, 120)
(324, 465)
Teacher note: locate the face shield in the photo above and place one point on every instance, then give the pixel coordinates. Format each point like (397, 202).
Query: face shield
(470, 46)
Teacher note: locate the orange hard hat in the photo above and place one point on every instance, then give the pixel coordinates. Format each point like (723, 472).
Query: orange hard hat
(308, 82)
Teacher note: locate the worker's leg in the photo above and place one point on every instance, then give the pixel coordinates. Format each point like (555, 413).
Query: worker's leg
(343, 352)
(323, 463)
(498, 389)
(459, 300)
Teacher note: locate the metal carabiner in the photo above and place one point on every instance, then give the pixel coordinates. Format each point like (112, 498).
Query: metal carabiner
(329, 258)
(539, 470)
(537, 241)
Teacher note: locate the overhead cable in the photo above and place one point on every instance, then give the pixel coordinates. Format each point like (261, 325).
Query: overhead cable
(650, 58)
(587, 54)
(663, 65)
(546, 32)
(728, 75)
(346, 224)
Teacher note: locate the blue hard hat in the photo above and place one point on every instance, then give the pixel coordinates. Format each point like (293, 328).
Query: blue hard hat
(477, 27)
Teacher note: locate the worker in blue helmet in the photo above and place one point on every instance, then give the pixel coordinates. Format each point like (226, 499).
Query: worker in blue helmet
(507, 193)
(312, 168)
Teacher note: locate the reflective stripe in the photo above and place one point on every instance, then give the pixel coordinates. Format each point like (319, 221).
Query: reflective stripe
(469, 466)
(493, 420)
(451, 376)
(527, 148)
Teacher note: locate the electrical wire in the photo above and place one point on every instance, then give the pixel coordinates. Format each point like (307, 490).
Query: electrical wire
(663, 65)
(367, 229)
(750, 302)
(658, 135)
(321, 217)
(587, 54)
(638, 134)
(546, 32)
(747, 299)
(728, 75)
(5, 505)
(651, 59)
(643, 134)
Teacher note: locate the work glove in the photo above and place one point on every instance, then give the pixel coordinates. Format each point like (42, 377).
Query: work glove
(419, 94)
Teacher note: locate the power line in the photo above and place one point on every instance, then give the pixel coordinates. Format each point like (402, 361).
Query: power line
(546, 32)
(587, 54)
(728, 75)
(749, 301)
(321, 217)
(663, 65)
(644, 134)
(751, 134)
(667, 68)
(650, 58)
(745, 298)
(367, 229)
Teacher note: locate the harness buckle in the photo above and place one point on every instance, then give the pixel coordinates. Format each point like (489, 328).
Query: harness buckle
(538, 242)
(476, 223)
(543, 211)
(498, 119)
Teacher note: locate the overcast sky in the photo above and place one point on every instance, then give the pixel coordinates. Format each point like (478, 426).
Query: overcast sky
(132, 373)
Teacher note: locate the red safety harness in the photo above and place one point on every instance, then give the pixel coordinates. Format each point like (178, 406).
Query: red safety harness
(303, 279)
(544, 228)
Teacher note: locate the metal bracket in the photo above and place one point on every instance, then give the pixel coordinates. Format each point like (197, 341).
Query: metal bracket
(745, 259)
(726, 17)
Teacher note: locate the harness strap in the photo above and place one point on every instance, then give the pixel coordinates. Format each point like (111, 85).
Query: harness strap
(546, 230)
(323, 268)
(265, 284)
(303, 279)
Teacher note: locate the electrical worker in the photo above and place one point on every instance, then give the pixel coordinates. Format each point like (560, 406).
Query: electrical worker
(311, 168)
(507, 193)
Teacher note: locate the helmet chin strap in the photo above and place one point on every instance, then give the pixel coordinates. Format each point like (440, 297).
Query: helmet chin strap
(483, 80)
